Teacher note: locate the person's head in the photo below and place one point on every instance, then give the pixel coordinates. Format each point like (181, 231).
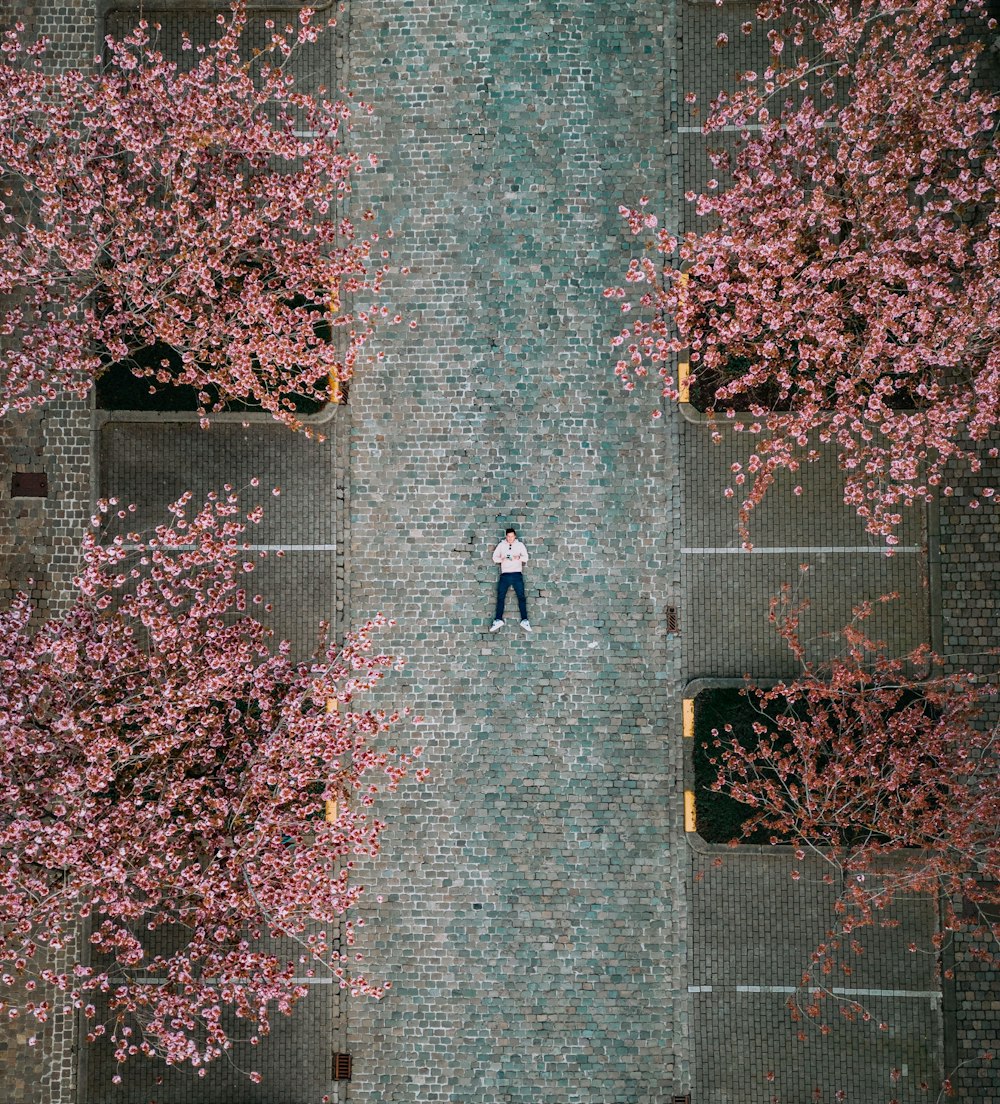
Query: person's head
(511, 536)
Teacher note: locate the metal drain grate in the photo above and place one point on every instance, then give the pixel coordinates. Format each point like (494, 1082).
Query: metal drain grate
(341, 1067)
(29, 485)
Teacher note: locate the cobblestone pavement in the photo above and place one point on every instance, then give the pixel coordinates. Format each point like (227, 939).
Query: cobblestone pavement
(972, 1026)
(22, 1066)
(812, 542)
(550, 935)
(532, 921)
(529, 918)
(151, 463)
(752, 928)
(742, 1034)
(745, 1045)
(969, 636)
(948, 585)
(293, 1060)
(39, 554)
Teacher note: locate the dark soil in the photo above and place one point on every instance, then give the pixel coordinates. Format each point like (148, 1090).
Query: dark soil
(118, 388)
(719, 817)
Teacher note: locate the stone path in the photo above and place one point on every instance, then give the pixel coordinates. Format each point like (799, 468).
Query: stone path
(152, 462)
(811, 541)
(753, 931)
(293, 1060)
(948, 586)
(532, 918)
(550, 931)
(753, 928)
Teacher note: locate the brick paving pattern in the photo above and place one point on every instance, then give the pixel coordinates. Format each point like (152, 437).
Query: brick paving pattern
(975, 1031)
(531, 918)
(293, 1060)
(969, 541)
(549, 933)
(731, 590)
(39, 539)
(742, 1029)
(151, 463)
(968, 624)
(948, 588)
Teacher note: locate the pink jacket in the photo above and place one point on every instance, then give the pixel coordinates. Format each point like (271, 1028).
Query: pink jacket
(510, 557)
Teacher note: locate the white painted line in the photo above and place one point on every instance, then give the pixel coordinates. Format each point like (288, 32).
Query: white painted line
(788, 550)
(291, 548)
(925, 994)
(911, 994)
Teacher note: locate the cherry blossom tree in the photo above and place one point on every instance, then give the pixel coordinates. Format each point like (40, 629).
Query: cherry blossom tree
(846, 289)
(198, 208)
(891, 779)
(178, 788)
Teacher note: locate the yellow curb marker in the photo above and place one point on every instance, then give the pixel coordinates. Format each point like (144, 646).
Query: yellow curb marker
(687, 715)
(335, 395)
(683, 363)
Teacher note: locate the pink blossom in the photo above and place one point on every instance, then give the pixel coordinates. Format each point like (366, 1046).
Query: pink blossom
(184, 208)
(166, 765)
(839, 264)
(874, 762)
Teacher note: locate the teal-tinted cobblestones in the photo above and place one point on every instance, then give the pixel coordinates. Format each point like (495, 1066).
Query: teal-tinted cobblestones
(548, 931)
(531, 919)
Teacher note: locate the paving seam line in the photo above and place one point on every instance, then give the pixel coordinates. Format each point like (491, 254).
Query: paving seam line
(917, 994)
(785, 550)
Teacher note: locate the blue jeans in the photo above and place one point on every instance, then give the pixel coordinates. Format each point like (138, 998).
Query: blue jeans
(513, 579)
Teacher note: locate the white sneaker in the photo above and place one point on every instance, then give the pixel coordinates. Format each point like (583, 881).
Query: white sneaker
(496, 626)
(526, 625)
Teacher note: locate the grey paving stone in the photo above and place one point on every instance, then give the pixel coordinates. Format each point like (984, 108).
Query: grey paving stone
(543, 917)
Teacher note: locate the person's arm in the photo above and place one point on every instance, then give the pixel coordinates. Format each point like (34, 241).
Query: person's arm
(523, 555)
(496, 553)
